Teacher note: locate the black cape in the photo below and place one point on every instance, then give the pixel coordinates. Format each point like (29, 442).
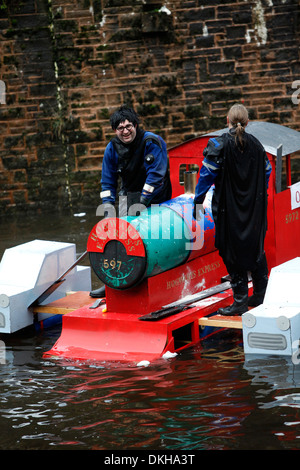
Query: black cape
(240, 202)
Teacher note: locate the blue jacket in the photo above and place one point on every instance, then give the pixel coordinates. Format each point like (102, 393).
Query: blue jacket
(211, 167)
(153, 179)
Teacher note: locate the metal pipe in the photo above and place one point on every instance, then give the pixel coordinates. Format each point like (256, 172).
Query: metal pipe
(190, 181)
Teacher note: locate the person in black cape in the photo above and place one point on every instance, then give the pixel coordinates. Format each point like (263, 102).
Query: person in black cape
(237, 164)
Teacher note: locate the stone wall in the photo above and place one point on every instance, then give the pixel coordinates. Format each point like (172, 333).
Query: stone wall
(66, 65)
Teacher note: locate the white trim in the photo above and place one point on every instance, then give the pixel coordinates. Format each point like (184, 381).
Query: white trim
(148, 188)
(106, 193)
(209, 166)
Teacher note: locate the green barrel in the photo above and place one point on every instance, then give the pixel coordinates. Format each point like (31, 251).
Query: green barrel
(123, 251)
(165, 236)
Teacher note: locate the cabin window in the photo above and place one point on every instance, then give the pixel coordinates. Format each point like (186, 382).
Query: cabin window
(295, 168)
(289, 173)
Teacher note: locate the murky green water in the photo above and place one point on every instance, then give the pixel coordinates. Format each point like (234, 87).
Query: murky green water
(207, 398)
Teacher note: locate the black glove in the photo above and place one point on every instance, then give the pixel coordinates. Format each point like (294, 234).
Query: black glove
(144, 200)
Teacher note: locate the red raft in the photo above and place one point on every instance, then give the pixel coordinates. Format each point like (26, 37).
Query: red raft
(154, 308)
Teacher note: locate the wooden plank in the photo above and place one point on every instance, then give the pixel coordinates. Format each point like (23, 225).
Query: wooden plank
(66, 304)
(221, 321)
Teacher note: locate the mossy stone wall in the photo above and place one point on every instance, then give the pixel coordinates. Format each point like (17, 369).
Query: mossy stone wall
(66, 65)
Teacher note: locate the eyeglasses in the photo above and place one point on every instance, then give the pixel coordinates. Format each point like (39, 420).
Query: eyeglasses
(121, 129)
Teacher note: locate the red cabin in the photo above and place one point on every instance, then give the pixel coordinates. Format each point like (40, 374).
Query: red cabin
(283, 235)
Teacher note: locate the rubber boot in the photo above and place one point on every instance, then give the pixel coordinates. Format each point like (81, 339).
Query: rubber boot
(98, 293)
(259, 290)
(260, 282)
(240, 297)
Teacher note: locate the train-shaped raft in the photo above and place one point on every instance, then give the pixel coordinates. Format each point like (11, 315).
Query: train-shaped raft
(164, 280)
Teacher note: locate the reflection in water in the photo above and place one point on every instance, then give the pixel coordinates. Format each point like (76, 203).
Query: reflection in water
(209, 397)
(184, 403)
(205, 398)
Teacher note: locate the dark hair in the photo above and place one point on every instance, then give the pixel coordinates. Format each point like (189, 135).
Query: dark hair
(123, 113)
(238, 118)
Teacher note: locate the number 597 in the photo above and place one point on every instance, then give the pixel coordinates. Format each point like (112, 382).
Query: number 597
(113, 264)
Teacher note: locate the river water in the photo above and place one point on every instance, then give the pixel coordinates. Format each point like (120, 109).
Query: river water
(210, 397)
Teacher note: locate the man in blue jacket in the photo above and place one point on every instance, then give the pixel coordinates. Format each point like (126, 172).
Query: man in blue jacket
(139, 157)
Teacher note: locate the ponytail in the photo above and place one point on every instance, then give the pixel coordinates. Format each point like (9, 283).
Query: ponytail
(238, 118)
